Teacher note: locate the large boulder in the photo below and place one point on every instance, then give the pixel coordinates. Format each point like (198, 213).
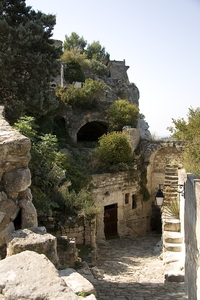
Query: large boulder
(29, 275)
(34, 239)
(17, 180)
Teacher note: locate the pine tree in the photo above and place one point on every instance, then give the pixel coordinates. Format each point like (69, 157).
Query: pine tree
(28, 60)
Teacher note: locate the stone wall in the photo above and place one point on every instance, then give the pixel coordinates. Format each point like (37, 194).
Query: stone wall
(192, 237)
(80, 229)
(16, 208)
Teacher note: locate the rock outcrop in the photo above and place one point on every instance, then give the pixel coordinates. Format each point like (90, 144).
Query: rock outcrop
(34, 239)
(16, 207)
(29, 275)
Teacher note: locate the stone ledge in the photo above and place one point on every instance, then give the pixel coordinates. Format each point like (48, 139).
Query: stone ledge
(174, 276)
(171, 225)
(172, 247)
(172, 237)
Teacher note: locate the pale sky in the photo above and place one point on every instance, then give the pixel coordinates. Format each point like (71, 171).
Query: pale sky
(159, 40)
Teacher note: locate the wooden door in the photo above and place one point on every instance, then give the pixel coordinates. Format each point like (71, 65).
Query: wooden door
(110, 220)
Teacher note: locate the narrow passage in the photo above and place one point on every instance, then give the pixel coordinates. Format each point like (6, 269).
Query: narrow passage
(130, 268)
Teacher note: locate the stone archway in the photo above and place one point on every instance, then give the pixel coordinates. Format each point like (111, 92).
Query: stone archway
(91, 131)
(159, 159)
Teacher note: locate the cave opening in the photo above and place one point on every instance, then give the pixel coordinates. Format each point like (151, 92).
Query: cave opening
(18, 221)
(91, 131)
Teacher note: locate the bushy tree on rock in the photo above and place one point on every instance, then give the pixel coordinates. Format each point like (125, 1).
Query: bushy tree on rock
(28, 60)
(188, 132)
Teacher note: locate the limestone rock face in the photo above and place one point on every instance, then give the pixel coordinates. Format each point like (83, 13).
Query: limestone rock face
(28, 211)
(29, 275)
(144, 129)
(133, 135)
(17, 180)
(16, 207)
(34, 239)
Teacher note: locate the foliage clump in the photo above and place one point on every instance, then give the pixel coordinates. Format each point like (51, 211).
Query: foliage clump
(29, 60)
(73, 72)
(57, 184)
(188, 132)
(85, 97)
(96, 51)
(122, 113)
(98, 67)
(74, 41)
(114, 149)
(80, 56)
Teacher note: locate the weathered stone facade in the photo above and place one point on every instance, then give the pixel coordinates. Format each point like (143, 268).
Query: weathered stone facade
(119, 193)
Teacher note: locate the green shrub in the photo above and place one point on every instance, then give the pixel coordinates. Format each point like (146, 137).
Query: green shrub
(114, 148)
(85, 97)
(99, 68)
(122, 113)
(73, 72)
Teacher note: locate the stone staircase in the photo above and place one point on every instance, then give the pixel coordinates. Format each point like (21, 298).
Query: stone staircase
(173, 251)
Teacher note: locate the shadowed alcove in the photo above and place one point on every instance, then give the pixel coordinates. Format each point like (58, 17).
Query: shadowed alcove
(91, 131)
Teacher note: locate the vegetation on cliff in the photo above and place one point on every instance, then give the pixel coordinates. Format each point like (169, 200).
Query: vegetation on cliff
(188, 131)
(30, 61)
(122, 113)
(57, 183)
(86, 97)
(113, 152)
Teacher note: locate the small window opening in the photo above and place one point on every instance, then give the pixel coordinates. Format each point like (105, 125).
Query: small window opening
(127, 198)
(134, 203)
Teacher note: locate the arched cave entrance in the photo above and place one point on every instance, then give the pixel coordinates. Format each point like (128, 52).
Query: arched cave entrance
(91, 131)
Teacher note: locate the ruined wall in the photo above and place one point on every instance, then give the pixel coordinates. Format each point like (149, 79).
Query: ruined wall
(16, 208)
(122, 191)
(192, 237)
(118, 69)
(81, 229)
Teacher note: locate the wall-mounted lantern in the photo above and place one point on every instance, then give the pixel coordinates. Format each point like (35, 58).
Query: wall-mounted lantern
(159, 198)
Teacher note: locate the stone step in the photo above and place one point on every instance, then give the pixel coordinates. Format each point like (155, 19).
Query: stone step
(172, 237)
(174, 276)
(171, 225)
(174, 272)
(172, 257)
(172, 247)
